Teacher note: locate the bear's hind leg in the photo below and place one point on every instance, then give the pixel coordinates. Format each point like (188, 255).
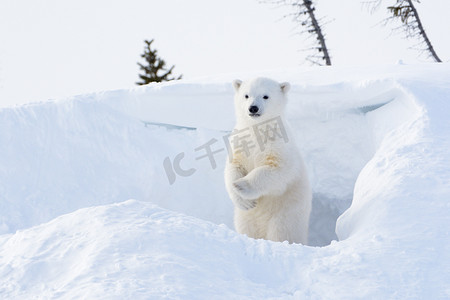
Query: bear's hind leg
(280, 230)
(244, 223)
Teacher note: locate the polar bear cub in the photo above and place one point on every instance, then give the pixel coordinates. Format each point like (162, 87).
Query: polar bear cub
(265, 175)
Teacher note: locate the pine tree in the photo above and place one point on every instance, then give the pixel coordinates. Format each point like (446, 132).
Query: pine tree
(154, 67)
(411, 24)
(405, 10)
(305, 15)
(306, 8)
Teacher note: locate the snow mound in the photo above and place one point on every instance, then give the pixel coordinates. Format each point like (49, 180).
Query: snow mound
(376, 146)
(134, 250)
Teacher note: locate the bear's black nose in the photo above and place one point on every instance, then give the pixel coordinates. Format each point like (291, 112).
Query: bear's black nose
(253, 109)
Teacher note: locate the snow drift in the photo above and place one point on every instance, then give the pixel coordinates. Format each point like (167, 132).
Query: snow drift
(376, 144)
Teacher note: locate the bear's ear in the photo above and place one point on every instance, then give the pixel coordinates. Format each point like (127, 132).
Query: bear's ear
(237, 84)
(285, 86)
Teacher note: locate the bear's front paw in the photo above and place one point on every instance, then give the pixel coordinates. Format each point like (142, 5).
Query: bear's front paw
(243, 189)
(244, 204)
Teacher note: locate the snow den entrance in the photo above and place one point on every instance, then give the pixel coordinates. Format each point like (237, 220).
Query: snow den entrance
(339, 132)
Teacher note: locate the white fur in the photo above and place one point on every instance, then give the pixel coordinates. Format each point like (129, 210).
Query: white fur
(269, 187)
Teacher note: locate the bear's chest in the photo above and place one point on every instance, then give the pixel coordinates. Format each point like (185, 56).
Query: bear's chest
(256, 157)
(252, 148)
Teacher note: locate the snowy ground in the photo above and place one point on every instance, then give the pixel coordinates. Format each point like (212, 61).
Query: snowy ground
(376, 142)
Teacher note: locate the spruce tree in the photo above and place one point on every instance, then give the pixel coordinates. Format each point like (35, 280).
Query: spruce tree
(412, 25)
(306, 8)
(406, 13)
(305, 15)
(154, 69)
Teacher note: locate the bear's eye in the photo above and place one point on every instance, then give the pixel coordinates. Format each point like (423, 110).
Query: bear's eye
(246, 96)
(265, 97)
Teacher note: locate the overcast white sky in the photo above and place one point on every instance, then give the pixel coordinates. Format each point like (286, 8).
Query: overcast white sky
(57, 48)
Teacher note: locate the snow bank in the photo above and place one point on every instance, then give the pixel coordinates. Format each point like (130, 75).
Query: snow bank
(135, 249)
(384, 128)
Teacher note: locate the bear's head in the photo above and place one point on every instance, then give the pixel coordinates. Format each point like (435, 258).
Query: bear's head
(259, 99)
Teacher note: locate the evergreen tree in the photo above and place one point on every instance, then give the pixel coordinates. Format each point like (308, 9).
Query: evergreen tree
(313, 27)
(405, 10)
(411, 24)
(155, 67)
(305, 15)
